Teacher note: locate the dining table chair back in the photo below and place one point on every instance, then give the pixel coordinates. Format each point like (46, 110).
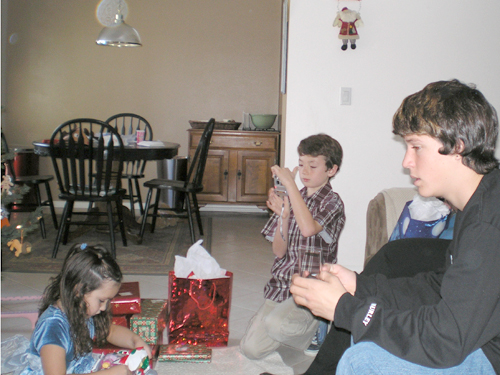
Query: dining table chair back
(87, 155)
(33, 182)
(192, 185)
(127, 124)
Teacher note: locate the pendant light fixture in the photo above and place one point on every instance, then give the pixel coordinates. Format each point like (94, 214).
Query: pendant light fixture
(118, 33)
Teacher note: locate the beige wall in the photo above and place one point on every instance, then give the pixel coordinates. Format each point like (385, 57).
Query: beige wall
(200, 59)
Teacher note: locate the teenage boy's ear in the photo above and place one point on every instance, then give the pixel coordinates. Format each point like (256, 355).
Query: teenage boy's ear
(459, 147)
(332, 171)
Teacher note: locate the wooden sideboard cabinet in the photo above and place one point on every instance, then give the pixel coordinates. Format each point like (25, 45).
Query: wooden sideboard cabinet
(238, 166)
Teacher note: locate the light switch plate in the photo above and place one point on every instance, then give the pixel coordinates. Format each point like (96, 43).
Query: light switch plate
(345, 96)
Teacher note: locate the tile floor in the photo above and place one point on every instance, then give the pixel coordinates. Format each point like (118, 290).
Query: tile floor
(238, 247)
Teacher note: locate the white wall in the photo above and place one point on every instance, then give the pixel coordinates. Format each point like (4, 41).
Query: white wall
(403, 46)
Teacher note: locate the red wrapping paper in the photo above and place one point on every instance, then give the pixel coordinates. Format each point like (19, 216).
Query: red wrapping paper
(109, 348)
(199, 310)
(127, 300)
(121, 320)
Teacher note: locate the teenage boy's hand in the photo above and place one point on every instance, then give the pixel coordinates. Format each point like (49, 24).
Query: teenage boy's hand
(346, 276)
(320, 296)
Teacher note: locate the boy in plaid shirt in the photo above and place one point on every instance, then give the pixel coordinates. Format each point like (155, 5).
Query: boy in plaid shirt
(310, 218)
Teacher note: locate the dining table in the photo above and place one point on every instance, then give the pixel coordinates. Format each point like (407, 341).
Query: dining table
(131, 152)
(154, 151)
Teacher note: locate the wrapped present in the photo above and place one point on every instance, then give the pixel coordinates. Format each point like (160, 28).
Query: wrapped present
(151, 322)
(199, 310)
(184, 353)
(109, 349)
(127, 300)
(121, 320)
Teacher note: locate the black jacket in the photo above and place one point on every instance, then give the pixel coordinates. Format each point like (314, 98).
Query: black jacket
(436, 319)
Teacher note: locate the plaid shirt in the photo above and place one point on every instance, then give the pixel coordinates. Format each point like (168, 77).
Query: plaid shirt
(327, 209)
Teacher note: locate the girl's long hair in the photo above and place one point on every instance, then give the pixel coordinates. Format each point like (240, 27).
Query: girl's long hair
(84, 270)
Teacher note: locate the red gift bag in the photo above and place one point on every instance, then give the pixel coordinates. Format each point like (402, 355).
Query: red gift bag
(199, 310)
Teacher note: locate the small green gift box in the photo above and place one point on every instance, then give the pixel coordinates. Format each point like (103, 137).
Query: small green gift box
(151, 321)
(184, 353)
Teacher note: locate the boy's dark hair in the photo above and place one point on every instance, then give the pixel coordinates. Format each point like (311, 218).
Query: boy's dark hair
(322, 144)
(453, 113)
(84, 270)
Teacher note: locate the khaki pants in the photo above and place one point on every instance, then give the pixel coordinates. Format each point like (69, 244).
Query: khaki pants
(276, 324)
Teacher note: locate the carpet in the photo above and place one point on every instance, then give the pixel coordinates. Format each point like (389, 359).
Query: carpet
(227, 361)
(155, 256)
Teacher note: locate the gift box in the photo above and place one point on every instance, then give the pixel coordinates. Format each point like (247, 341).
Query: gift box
(199, 310)
(121, 320)
(127, 300)
(109, 348)
(184, 353)
(151, 321)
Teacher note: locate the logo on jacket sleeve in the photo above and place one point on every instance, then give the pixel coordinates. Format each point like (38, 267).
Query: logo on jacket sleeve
(369, 314)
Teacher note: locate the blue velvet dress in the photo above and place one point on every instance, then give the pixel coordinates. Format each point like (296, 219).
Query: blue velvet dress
(53, 328)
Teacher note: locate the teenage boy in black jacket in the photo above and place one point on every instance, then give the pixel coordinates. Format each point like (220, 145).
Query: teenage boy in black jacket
(435, 322)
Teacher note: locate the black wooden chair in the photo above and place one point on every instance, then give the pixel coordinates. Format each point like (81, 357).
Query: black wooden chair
(128, 124)
(190, 187)
(34, 182)
(87, 157)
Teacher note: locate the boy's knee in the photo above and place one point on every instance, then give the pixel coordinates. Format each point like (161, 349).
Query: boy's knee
(273, 326)
(356, 354)
(251, 350)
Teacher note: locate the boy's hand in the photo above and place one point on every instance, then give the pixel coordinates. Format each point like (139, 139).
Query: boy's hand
(320, 296)
(346, 276)
(275, 204)
(286, 176)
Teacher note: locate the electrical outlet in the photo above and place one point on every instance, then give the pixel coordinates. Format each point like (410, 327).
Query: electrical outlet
(345, 96)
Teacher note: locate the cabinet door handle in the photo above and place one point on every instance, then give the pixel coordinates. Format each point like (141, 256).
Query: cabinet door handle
(239, 175)
(258, 143)
(225, 174)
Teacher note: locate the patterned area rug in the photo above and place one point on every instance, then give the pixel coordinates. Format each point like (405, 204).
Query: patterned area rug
(155, 256)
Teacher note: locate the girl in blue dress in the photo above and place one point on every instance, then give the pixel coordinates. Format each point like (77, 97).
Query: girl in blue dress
(74, 315)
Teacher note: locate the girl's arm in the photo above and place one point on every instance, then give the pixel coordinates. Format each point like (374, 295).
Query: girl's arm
(125, 338)
(53, 359)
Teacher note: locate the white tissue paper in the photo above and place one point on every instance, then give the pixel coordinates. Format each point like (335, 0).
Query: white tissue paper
(427, 209)
(198, 264)
(129, 139)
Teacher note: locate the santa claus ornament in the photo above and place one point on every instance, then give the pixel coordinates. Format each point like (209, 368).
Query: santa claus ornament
(348, 21)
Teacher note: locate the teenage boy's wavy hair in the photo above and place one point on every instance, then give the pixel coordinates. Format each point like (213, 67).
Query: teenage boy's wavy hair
(322, 144)
(84, 270)
(456, 114)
